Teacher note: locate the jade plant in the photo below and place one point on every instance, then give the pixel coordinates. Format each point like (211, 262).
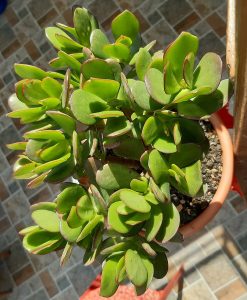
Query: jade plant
(123, 122)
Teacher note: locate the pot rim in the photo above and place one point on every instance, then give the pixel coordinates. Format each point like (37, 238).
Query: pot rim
(224, 185)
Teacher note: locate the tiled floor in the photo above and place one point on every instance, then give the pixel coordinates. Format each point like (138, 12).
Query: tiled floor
(215, 259)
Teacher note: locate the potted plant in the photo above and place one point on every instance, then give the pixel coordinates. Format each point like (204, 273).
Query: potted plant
(126, 124)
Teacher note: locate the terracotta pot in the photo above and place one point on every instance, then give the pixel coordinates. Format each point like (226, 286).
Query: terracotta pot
(225, 183)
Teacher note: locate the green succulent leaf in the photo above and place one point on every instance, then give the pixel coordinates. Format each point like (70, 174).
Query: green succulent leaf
(67, 251)
(203, 106)
(54, 135)
(171, 86)
(97, 68)
(114, 176)
(121, 270)
(170, 224)
(188, 69)
(130, 148)
(137, 218)
(71, 192)
(118, 51)
(66, 88)
(151, 130)
(150, 271)
(29, 72)
(83, 104)
(154, 223)
(69, 234)
(165, 144)
(125, 24)
(108, 283)
(155, 85)
(117, 126)
(68, 44)
(73, 219)
(140, 186)
(70, 62)
(186, 155)
(84, 208)
(135, 201)
(97, 219)
(82, 25)
(98, 40)
(158, 166)
(124, 210)
(178, 50)
(66, 122)
(141, 95)
(51, 34)
(135, 268)
(46, 219)
(106, 89)
(208, 72)
(142, 63)
(117, 221)
(51, 206)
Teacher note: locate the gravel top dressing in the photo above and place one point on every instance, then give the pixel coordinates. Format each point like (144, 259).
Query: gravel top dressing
(189, 207)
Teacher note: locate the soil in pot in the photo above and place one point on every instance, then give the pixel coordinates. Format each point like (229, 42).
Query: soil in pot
(189, 207)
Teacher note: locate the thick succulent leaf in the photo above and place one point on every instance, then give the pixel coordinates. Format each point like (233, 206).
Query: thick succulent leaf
(84, 103)
(73, 219)
(52, 87)
(61, 172)
(120, 270)
(147, 47)
(73, 193)
(186, 155)
(39, 240)
(117, 221)
(24, 170)
(151, 130)
(70, 61)
(109, 246)
(158, 166)
(66, 88)
(170, 224)
(29, 72)
(142, 63)
(158, 193)
(17, 146)
(67, 251)
(186, 94)
(140, 186)
(137, 218)
(150, 270)
(98, 40)
(208, 72)
(165, 144)
(50, 103)
(107, 114)
(84, 208)
(141, 95)
(193, 177)
(108, 283)
(130, 148)
(69, 29)
(97, 68)
(115, 176)
(135, 268)
(151, 198)
(106, 89)
(82, 25)
(91, 225)
(155, 85)
(203, 106)
(124, 210)
(51, 33)
(153, 224)
(135, 201)
(51, 164)
(178, 50)
(188, 69)
(171, 86)
(117, 126)
(46, 219)
(66, 122)
(70, 234)
(118, 51)
(28, 115)
(157, 61)
(29, 229)
(53, 135)
(51, 206)
(68, 44)
(33, 148)
(55, 151)
(36, 182)
(144, 160)
(177, 135)
(125, 24)
(160, 264)
(99, 201)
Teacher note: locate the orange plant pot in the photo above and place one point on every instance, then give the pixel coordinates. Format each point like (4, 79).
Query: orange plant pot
(225, 183)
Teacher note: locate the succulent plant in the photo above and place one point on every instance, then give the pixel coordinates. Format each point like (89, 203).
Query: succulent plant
(124, 122)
